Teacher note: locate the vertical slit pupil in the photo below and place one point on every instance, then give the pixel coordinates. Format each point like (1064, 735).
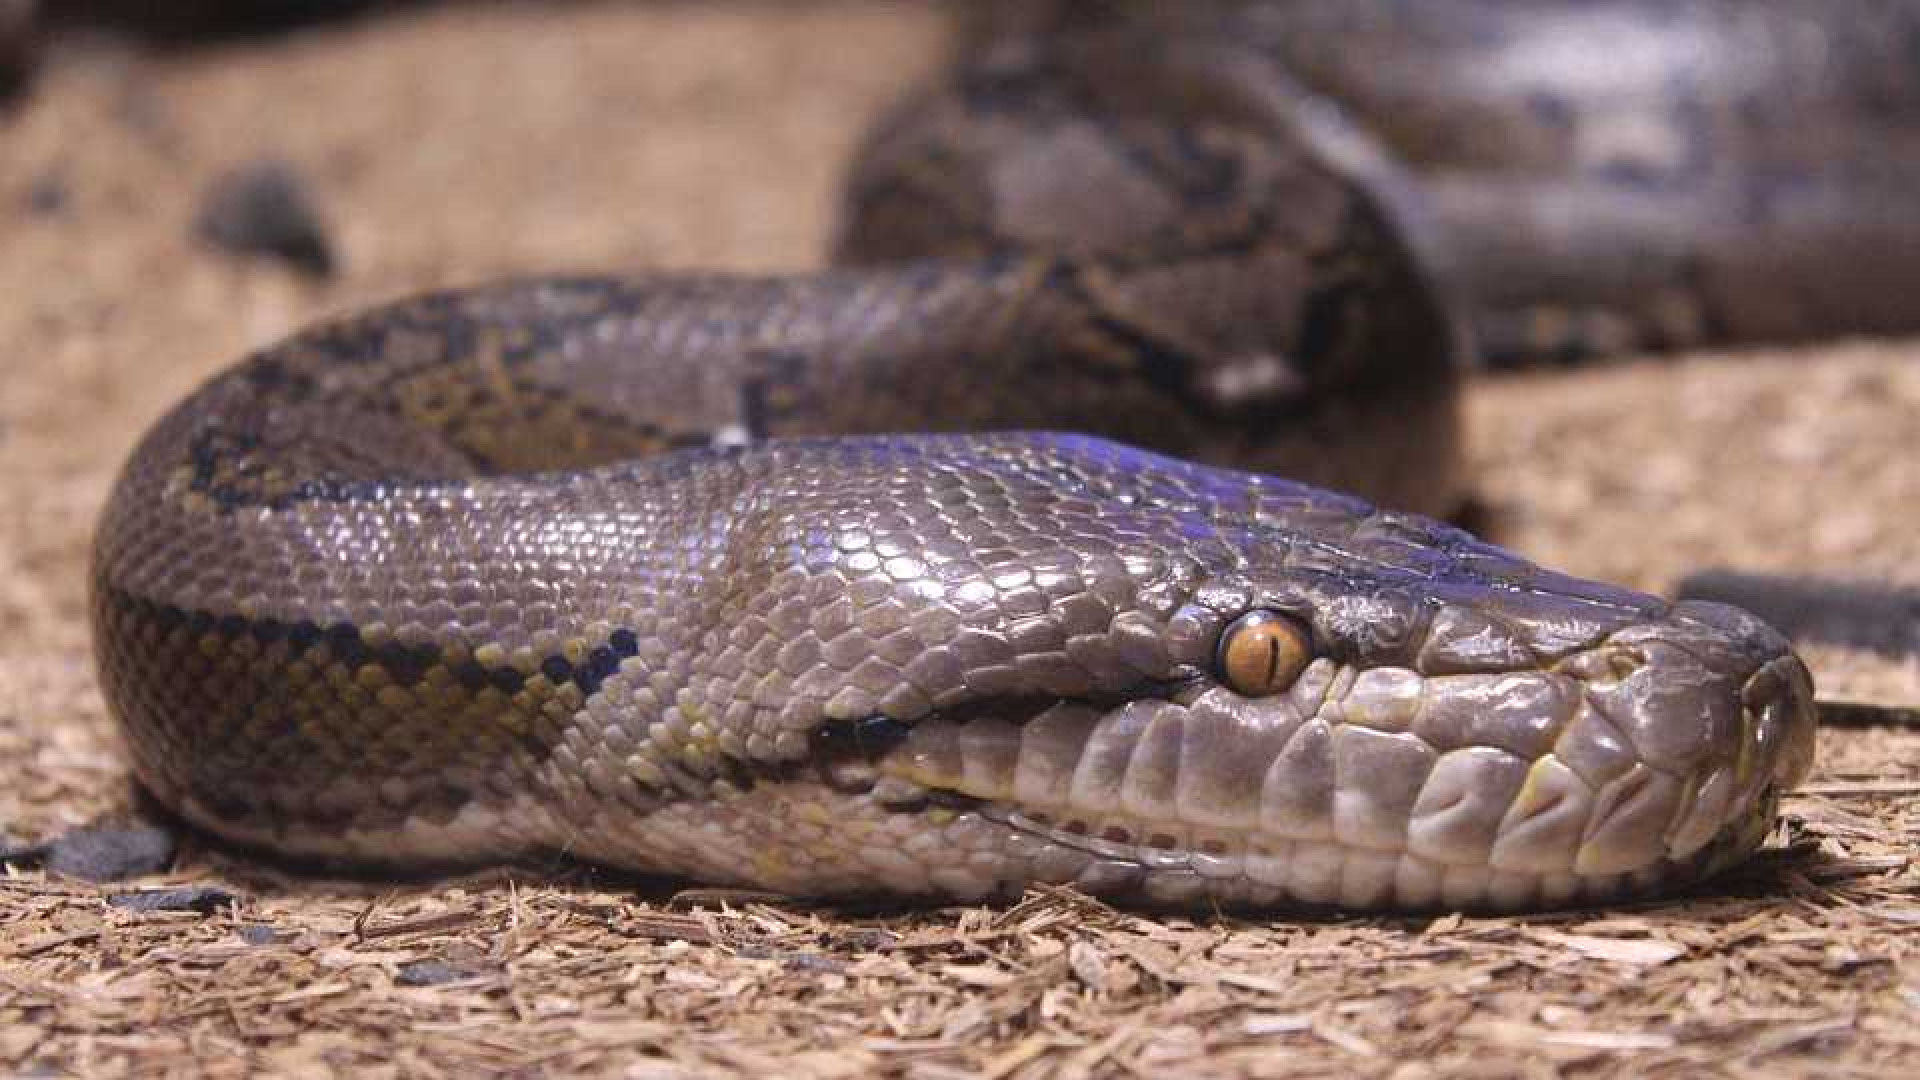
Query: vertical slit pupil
(1262, 653)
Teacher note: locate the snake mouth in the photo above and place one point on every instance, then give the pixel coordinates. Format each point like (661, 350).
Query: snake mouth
(1387, 790)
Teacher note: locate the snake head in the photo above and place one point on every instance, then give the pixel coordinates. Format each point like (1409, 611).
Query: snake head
(1050, 658)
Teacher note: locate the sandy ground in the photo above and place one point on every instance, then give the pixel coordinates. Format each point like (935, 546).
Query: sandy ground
(458, 145)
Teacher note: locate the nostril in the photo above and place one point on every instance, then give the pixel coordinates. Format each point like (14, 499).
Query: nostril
(1622, 663)
(1762, 688)
(1780, 697)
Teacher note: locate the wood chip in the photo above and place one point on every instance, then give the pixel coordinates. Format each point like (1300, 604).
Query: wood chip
(1619, 950)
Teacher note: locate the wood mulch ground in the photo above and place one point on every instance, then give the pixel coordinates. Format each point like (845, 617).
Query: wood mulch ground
(459, 144)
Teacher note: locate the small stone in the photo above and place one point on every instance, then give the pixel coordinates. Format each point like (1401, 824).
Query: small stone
(48, 196)
(430, 973)
(259, 934)
(814, 963)
(264, 209)
(110, 852)
(205, 899)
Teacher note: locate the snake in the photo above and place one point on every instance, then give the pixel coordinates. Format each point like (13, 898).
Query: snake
(966, 564)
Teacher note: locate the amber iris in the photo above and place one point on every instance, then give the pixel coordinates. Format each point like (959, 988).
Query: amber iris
(1262, 652)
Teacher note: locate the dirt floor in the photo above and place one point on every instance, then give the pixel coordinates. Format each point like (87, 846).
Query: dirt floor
(461, 144)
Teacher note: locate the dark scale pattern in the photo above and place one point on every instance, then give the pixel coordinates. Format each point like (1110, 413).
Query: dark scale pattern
(406, 586)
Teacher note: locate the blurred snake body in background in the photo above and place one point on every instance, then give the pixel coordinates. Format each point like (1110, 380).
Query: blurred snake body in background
(888, 579)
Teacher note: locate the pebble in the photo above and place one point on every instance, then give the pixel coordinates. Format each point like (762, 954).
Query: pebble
(265, 209)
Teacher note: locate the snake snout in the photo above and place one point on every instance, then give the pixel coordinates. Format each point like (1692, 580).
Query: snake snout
(1719, 713)
(1779, 697)
(1776, 693)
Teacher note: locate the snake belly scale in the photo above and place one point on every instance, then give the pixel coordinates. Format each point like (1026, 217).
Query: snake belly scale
(492, 572)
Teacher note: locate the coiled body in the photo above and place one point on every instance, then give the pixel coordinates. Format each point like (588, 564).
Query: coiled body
(489, 573)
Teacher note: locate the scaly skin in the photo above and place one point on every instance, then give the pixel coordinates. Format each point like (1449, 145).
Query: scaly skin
(464, 578)
(928, 665)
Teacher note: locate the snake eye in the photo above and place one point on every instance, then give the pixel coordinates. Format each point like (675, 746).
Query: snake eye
(1262, 652)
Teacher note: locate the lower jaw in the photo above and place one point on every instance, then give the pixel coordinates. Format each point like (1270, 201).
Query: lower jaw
(810, 837)
(1247, 873)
